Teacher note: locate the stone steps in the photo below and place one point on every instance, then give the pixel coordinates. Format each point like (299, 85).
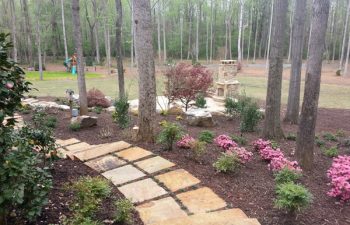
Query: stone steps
(163, 194)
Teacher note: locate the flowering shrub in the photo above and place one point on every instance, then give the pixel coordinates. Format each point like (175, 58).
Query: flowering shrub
(339, 173)
(225, 142)
(243, 155)
(185, 141)
(274, 156)
(185, 82)
(261, 144)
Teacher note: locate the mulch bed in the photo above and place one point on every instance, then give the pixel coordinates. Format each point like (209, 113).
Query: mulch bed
(250, 189)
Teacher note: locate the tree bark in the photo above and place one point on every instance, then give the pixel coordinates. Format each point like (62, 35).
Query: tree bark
(80, 60)
(64, 32)
(190, 13)
(211, 30)
(146, 69)
(291, 29)
(270, 33)
(306, 131)
(38, 40)
(239, 46)
(197, 30)
(118, 37)
(250, 32)
(292, 114)
(96, 31)
(28, 33)
(132, 34)
(341, 63)
(158, 34)
(256, 32)
(181, 34)
(164, 36)
(14, 30)
(272, 126)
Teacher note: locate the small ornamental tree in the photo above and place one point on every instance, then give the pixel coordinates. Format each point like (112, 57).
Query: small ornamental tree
(185, 82)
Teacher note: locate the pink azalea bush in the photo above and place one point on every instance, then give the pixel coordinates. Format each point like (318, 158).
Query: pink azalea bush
(225, 142)
(243, 155)
(185, 141)
(276, 158)
(339, 173)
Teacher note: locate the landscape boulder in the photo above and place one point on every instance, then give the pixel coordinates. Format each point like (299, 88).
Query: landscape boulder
(199, 117)
(85, 121)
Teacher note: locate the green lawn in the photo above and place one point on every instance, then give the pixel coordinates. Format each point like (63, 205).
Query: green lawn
(332, 96)
(50, 75)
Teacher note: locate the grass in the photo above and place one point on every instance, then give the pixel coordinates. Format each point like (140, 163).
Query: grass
(59, 75)
(57, 83)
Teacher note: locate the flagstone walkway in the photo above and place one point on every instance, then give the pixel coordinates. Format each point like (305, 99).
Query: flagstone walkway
(162, 193)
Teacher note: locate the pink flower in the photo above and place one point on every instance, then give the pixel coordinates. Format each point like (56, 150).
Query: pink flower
(268, 153)
(9, 84)
(185, 141)
(225, 142)
(339, 173)
(261, 144)
(243, 155)
(280, 163)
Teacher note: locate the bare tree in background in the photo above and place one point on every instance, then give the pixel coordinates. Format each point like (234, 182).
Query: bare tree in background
(64, 32)
(306, 131)
(118, 41)
(298, 27)
(146, 68)
(272, 126)
(14, 30)
(80, 60)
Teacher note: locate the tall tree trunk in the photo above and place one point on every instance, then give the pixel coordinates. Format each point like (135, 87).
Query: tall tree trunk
(256, 32)
(80, 60)
(181, 34)
(272, 126)
(28, 33)
(292, 114)
(270, 33)
(146, 69)
(306, 131)
(341, 63)
(190, 13)
(250, 31)
(291, 30)
(132, 34)
(346, 65)
(334, 40)
(158, 34)
(64, 32)
(197, 30)
(207, 39)
(38, 40)
(118, 38)
(239, 45)
(211, 30)
(14, 30)
(107, 37)
(96, 31)
(164, 36)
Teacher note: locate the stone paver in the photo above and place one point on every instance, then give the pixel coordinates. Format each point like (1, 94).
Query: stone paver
(101, 150)
(70, 141)
(105, 163)
(159, 210)
(123, 174)
(79, 147)
(177, 179)
(142, 190)
(154, 164)
(201, 200)
(134, 153)
(223, 217)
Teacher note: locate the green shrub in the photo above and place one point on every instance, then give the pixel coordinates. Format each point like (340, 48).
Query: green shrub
(320, 143)
(330, 137)
(286, 175)
(292, 197)
(200, 101)
(88, 195)
(121, 114)
(98, 109)
(74, 126)
(250, 117)
(51, 122)
(79, 220)
(232, 107)
(274, 144)
(124, 211)
(198, 148)
(239, 139)
(340, 133)
(170, 133)
(331, 152)
(227, 163)
(291, 137)
(206, 136)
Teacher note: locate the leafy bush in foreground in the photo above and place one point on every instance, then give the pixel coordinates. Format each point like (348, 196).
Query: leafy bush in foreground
(170, 133)
(121, 114)
(124, 211)
(286, 176)
(206, 136)
(227, 163)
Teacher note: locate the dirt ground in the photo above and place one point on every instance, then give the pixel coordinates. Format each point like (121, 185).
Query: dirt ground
(252, 187)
